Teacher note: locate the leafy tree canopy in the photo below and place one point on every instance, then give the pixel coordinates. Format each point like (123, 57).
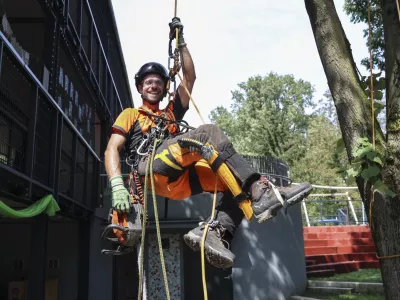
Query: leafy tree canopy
(268, 116)
(358, 12)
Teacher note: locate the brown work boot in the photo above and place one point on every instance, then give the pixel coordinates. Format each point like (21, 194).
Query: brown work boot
(216, 245)
(265, 202)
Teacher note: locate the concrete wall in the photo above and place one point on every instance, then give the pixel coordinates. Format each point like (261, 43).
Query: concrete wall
(62, 245)
(270, 262)
(100, 266)
(15, 245)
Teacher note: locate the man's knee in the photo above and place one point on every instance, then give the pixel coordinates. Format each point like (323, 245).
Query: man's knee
(208, 129)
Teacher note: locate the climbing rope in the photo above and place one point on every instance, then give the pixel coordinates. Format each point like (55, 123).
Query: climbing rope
(191, 98)
(371, 74)
(144, 221)
(153, 192)
(149, 172)
(371, 198)
(174, 71)
(203, 239)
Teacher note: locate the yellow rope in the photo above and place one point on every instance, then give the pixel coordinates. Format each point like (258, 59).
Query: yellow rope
(203, 272)
(160, 249)
(203, 239)
(149, 169)
(191, 98)
(398, 9)
(144, 220)
(370, 70)
(175, 8)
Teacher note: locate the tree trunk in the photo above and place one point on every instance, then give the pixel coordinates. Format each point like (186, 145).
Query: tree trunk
(355, 121)
(388, 233)
(334, 50)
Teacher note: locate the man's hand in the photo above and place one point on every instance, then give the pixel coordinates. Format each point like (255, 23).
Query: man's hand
(120, 195)
(176, 24)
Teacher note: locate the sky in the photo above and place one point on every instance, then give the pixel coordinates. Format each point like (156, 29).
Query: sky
(229, 41)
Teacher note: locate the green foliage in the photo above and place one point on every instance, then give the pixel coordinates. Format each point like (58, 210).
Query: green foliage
(358, 12)
(379, 85)
(268, 116)
(319, 164)
(367, 163)
(325, 160)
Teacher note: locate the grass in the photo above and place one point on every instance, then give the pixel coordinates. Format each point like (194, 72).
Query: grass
(346, 297)
(364, 275)
(356, 297)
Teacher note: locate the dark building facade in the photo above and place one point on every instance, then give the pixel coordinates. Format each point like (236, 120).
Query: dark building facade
(62, 83)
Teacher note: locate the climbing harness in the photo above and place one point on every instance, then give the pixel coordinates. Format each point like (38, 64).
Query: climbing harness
(124, 229)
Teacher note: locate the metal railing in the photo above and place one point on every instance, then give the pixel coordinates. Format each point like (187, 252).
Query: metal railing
(325, 212)
(34, 156)
(76, 33)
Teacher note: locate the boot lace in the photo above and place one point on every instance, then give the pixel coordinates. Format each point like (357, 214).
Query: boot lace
(218, 228)
(265, 184)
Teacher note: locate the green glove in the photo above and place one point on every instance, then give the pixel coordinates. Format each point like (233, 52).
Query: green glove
(120, 195)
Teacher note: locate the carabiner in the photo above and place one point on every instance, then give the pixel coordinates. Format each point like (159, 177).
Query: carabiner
(139, 149)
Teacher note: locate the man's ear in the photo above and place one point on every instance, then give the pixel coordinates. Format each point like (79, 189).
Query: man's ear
(140, 88)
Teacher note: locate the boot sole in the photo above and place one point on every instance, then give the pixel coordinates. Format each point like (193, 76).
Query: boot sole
(300, 196)
(269, 213)
(273, 210)
(213, 256)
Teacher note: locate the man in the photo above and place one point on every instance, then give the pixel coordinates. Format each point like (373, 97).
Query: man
(182, 170)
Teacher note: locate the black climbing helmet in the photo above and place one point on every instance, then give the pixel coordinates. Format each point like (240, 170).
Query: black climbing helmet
(152, 68)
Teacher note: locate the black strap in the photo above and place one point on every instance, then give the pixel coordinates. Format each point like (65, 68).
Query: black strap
(194, 181)
(241, 197)
(217, 163)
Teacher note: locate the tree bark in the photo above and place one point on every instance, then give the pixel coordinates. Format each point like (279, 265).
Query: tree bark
(355, 121)
(350, 99)
(388, 233)
(392, 70)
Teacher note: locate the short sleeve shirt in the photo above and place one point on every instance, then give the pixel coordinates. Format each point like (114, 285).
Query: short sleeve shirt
(133, 123)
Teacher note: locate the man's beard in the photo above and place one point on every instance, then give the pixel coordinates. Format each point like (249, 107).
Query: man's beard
(153, 101)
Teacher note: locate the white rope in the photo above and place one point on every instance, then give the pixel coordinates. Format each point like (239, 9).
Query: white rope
(328, 195)
(328, 187)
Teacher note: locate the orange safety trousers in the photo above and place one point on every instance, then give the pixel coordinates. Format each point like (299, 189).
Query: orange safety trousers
(180, 172)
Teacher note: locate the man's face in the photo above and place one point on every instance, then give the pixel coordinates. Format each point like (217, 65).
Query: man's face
(152, 88)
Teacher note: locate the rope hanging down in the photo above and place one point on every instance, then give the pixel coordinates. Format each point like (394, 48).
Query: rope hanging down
(175, 71)
(149, 172)
(203, 240)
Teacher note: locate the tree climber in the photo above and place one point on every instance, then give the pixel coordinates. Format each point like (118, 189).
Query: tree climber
(183, 170)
